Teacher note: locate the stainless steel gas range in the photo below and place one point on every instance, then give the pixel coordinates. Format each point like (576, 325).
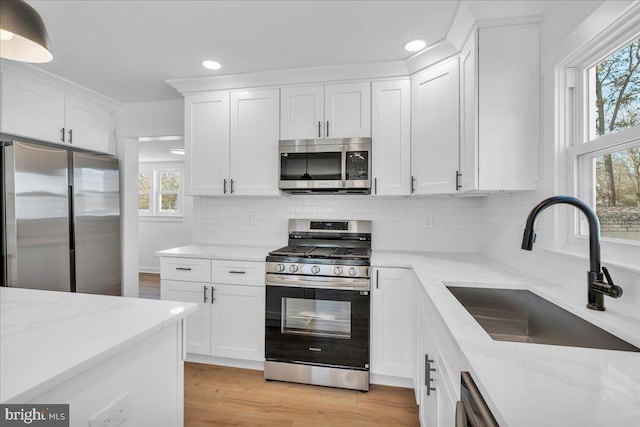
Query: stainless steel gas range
(317, 305)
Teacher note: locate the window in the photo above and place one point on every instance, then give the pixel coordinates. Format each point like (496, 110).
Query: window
(597, 128)
(609, 160)
(160, 192)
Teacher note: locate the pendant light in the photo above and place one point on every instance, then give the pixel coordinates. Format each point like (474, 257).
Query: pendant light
(23, 36)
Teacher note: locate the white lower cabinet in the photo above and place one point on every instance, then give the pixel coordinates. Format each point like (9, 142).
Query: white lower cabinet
(237, 322)
(439, 364)
(229, 322)
(392, 337)
(198, 323)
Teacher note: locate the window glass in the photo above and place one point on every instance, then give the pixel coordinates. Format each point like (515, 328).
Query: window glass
(617, 193)
(616, 97)
(144, 188)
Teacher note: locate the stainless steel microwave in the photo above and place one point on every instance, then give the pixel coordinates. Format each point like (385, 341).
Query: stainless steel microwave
(325, 165)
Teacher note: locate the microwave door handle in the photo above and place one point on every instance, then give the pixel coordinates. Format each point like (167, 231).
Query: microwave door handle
(344, 166)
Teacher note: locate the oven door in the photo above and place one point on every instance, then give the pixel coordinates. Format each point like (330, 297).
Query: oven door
(317, 324)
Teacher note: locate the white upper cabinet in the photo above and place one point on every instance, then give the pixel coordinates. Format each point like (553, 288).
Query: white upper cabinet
(231, 143)
(206, 140)
(89, 125)
(326, 111)
(499, 69)
(254, 142)
(435, 128)
(391, 139)
(36, 110)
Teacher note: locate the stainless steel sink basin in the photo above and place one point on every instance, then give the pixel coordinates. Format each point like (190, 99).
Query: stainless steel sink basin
(522, 316)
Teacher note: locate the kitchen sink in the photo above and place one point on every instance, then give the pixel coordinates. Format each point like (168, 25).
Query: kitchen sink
(522, 316)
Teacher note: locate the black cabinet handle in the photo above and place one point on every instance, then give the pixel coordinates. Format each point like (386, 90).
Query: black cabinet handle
(413, 184)
(327, 128)
(205, 293)
(231, 186)
(224, 186)
(183, 268)
(62, 134)
(377, 278)
(213, 295)
(237, 272)
(458, 176)
(319, 126)
(427, 374)
(70, 136)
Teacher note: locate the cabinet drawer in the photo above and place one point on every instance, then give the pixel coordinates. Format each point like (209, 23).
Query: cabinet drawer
(238, 272)
(187, 269)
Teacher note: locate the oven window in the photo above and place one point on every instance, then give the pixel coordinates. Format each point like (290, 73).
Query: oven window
(310, 166)
(322, 318)
(357, 165)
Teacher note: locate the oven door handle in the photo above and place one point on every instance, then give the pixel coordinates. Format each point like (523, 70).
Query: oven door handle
(347, 284)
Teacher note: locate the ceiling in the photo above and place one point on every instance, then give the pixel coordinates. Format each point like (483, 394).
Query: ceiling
(126, 49)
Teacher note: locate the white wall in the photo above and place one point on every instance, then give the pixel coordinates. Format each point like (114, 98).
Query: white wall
(157, 233)
(566, 25)
(398, 222)
(136, 120)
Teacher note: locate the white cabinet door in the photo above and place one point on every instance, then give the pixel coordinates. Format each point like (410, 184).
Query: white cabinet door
(198, 323)
(32, 109)
(302, 112)
(238, 322)
(207, 144)
(430, 382)
(391, 139)
(508, 105)
(435, 129)
(499, 93)
(347, 110)
(469, 115)
(88, 125)
(392, 321)
(254, 142)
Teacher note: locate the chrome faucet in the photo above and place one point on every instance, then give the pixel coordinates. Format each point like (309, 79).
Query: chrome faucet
(597, 288)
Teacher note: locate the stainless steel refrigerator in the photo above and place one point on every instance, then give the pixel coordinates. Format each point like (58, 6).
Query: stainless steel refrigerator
(60, 219)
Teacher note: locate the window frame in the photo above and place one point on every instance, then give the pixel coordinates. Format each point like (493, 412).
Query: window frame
(575, 128)
(155, 211)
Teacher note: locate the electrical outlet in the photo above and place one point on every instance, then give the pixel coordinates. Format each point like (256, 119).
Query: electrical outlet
(116, 413)
(428, 221)
(209, 218)
(249, 218)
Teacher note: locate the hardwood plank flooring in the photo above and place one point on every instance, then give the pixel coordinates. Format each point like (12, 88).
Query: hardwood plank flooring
(223, 396)
(149, 285)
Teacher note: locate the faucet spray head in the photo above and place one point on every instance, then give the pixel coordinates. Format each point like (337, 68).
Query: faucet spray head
(528, 238)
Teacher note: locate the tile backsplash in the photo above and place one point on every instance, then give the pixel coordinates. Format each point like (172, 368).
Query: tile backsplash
(448, 224)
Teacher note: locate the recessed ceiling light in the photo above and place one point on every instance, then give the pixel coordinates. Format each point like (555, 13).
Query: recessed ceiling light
(415, 45)
(160, 138)
(212, 65)
(179, 151)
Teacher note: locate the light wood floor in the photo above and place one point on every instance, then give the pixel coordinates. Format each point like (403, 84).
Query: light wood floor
(149, 285)
(222, 396)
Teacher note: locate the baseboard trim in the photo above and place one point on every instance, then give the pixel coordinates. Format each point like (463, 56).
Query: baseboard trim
(226, 361)
(149, 270)
(391, 381)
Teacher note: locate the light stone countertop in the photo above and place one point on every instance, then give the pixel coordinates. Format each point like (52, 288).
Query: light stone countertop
(223, 252)
(533, 384)
(47, 337)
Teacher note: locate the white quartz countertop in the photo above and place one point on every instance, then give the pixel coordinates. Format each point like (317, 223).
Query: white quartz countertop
(224, 252)
(47, 337)
(533, 384)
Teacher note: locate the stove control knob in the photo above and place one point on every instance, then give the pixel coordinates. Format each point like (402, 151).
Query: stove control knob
(315, 269)
(353, 271)
(337, 270)
(293, 268)
(280, 268)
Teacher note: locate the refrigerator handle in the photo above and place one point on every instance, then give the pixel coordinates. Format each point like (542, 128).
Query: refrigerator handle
(72, 240)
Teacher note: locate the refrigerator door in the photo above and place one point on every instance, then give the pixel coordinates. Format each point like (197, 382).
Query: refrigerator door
(36, 217)
(96, 224)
